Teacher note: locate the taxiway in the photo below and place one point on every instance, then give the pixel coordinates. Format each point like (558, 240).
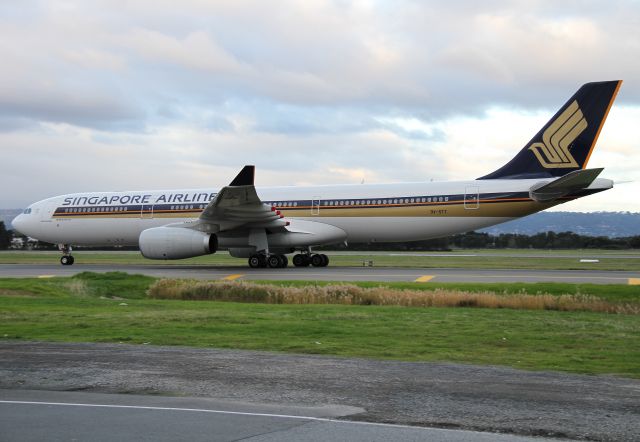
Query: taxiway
(377, 274)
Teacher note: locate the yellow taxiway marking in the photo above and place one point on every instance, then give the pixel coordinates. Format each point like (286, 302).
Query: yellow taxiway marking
(634, 281)
(425, 278)
(233, 277)
(46, 276)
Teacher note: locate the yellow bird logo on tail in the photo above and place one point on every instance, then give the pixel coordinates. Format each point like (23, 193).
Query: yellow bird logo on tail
(553, 152)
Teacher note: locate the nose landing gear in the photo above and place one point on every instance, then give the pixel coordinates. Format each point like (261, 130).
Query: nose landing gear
(67, 258)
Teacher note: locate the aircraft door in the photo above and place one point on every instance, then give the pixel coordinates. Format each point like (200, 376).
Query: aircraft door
(315, 206)
(146, 212)
(471, 197)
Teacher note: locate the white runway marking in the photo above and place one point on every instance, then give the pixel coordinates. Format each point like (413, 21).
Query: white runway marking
(204, 410)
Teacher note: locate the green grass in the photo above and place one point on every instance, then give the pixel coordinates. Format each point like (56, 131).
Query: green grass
(88, 308)
(85, 284)
(490, 259)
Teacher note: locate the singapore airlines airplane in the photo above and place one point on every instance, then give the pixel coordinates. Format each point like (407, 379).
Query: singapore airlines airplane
(265, 224)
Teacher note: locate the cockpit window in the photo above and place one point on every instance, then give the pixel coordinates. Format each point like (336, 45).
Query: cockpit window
(27, 211)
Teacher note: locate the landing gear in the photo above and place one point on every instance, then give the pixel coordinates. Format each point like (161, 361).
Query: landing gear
(316, 260)
(66, 259)
(277, 261)
(319, 260)
(257, 261)
(301, 260)
(272, 261)
(261, 260)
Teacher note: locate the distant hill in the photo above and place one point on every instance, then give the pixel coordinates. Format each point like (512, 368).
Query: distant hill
(611, 224)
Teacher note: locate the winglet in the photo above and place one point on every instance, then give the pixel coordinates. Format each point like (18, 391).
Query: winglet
(245, 177)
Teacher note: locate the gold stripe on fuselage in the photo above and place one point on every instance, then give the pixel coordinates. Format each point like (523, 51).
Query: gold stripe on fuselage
(512, 207)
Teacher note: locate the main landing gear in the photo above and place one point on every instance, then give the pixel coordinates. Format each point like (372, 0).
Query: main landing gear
(67, 258)
(316, 260)
(259, 260)
(272, 261)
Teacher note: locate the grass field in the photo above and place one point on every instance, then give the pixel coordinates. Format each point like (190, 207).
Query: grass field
(492, 259)
(114, 308)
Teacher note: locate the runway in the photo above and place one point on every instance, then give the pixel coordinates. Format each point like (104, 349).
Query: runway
(376, 274)
(27, 415)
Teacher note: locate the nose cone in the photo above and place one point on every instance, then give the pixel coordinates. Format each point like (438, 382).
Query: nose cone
(18, 223)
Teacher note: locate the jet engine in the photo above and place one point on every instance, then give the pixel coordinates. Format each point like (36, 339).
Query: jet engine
(176, 243)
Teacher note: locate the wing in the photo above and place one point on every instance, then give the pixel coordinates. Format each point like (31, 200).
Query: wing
(238, 206)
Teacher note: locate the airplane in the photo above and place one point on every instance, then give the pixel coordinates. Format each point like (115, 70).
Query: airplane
(265, 224)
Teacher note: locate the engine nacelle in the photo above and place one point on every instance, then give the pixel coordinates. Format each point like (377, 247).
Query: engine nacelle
(176, 243)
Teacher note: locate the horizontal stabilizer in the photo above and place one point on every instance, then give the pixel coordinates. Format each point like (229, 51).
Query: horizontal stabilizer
(569, 183)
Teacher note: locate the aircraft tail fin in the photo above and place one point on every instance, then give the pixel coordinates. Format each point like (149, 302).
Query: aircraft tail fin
(566, 142)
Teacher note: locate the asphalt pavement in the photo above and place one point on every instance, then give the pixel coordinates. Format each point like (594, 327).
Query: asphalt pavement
(163, 393)
(28, 415)
(381, 274)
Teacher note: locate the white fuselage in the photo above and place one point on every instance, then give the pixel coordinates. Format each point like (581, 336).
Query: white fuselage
(367, 212)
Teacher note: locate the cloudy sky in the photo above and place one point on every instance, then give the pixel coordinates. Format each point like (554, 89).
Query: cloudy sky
(158, 94)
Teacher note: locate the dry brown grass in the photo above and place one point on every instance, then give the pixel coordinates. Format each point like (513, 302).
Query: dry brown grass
(77, 287)
(353, 295)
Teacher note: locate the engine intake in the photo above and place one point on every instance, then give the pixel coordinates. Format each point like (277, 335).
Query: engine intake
(176, 243)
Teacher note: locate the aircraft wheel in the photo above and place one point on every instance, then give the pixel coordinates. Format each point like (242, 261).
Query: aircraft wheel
(300, 260)
(66, 260)
(317, 260)
(274, 261)
(254, 261)
(284, 261)
(72, 260)
(325, 260)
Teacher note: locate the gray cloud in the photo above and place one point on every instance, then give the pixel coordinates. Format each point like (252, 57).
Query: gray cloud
(311, 89)
(99, 63)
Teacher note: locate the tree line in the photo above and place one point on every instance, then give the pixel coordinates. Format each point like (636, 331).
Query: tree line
(469, 240)
(480, 240)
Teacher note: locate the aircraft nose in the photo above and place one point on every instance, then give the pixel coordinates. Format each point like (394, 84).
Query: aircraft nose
(18, 223)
